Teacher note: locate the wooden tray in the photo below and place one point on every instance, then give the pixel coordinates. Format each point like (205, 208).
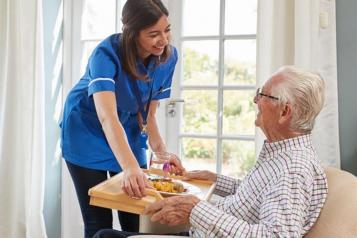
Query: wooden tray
(109, 194)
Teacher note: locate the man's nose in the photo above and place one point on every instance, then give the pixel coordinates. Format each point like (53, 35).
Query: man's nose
(255, 99)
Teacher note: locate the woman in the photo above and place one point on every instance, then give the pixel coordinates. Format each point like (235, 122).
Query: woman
(110, 113)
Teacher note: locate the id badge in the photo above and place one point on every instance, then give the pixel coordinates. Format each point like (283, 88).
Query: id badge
(143, 140)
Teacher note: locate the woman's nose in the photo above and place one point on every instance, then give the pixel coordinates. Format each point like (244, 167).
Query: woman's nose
(164, 40)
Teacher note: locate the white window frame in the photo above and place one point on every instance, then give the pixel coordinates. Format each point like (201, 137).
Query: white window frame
(175, 9)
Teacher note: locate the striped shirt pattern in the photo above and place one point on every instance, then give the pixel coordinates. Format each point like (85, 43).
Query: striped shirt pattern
(282, 195)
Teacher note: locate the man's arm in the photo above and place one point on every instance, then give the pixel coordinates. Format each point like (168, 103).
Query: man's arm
(282, 213)
(224, 185)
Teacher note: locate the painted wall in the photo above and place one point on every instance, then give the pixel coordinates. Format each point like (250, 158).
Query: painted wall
(346, 19)
(53, 42)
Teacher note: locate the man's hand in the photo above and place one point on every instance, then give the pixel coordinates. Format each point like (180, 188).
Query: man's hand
(200, 174)
(173, 210)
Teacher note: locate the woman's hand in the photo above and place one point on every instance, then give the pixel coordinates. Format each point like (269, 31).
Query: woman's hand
(134, 182)
(200, 174)
(176, 165)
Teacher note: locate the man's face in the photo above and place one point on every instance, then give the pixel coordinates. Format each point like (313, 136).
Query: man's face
(268, 110)
(153, 40)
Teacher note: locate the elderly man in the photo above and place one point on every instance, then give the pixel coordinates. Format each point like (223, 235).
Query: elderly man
(283, 194)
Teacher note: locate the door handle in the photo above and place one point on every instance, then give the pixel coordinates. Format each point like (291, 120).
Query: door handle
(171, 107)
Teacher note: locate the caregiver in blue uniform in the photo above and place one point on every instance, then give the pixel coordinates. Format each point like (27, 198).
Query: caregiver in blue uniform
(110, 113)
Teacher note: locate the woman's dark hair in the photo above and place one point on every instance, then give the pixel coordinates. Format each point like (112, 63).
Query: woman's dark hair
(136, 16)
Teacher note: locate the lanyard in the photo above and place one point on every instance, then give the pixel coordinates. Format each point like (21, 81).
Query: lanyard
(144, 112)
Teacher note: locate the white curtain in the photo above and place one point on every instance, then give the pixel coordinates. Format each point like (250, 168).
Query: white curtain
(303, 33)
(22, 140)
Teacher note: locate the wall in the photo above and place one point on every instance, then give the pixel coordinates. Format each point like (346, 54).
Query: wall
(53, 41)
(346, 19)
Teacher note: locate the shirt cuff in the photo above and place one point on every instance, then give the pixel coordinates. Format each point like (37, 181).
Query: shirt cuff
(225, 185)
(204, 216)
(101, 84)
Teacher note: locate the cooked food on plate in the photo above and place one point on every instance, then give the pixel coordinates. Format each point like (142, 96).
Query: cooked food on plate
(166, 184)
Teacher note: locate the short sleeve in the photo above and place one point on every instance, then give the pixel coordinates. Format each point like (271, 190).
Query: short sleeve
(165, 88)
(102, 68)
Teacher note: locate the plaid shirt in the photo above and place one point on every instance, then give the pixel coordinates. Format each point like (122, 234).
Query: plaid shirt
(281, 196)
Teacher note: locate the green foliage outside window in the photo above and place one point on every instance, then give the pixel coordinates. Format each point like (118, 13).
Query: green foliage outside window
(200, 111)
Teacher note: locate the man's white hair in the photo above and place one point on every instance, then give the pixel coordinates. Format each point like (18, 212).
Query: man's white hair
(305, 91)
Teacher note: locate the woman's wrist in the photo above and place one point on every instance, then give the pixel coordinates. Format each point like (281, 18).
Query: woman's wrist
(158, 147)
(130, 164)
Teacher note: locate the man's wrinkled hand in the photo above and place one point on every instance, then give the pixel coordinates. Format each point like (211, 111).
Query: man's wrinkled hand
(173, 210)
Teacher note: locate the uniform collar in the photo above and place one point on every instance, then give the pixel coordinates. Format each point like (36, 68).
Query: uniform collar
(150, 67)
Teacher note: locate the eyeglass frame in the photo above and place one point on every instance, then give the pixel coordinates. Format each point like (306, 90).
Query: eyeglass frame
(259, 95)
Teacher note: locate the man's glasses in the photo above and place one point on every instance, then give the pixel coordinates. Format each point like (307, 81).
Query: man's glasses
(259, 95)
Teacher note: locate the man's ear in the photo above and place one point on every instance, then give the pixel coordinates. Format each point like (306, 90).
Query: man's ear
(285, 113)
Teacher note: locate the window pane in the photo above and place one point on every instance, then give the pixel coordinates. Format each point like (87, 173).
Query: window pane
(200, 62)
(240, 62)
(200, 17)
(199, 154)
(98, 19)
(238, 157)
(200, 112)
(241, 17)
(88, 47)
(238, 112)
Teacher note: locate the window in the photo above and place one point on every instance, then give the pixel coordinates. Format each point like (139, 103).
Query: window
(218, 82)
(99, 19)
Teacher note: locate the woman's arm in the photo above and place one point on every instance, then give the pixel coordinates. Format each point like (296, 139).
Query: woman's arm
(134, 179)
(155, 140)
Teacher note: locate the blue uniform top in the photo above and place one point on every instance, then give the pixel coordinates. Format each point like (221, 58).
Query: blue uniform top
(83, 141)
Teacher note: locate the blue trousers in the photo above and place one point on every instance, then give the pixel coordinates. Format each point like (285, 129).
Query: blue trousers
(97, 218)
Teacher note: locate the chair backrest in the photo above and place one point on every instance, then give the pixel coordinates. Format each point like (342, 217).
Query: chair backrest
(338, 217)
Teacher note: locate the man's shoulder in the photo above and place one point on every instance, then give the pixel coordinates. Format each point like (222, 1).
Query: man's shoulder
(302, 162)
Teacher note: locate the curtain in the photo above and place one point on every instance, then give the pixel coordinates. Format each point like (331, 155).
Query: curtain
(303, 33)
(22, 140)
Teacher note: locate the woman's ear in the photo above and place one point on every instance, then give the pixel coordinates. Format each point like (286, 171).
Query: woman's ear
(285, 113)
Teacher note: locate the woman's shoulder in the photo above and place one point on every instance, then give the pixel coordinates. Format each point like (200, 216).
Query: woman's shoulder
(110, 43)
(107, 49)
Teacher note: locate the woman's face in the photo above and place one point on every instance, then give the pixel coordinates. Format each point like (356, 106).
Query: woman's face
(153, 40)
